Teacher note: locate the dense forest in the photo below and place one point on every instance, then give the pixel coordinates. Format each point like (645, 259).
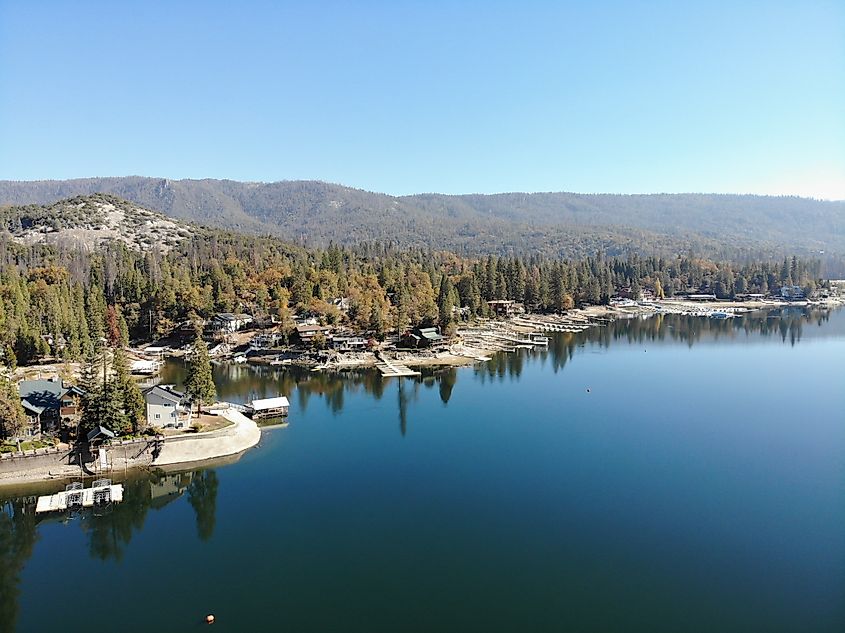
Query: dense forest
(59, 299)
(739, 228)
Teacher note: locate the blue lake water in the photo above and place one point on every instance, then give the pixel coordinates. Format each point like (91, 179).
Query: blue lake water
(697, 486)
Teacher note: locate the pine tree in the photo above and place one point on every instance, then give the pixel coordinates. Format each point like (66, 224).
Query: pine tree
(132, 401)
(12, 416)
(199, 385)
(445, 304)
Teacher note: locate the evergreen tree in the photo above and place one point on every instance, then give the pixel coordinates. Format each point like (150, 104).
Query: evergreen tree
(199, 384)
(12, 415)
(129, 393)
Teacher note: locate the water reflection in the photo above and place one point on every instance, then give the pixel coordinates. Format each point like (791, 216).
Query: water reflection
(242, 383)
(108, 535)
(17, 540)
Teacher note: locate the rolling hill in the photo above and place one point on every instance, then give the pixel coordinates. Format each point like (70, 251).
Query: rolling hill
(559, 224)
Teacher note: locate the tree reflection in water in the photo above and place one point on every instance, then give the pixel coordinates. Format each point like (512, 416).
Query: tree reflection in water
(243, 383)
(17, 539)
(108, 535)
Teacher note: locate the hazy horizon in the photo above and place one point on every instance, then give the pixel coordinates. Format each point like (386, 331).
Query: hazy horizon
(442, 193)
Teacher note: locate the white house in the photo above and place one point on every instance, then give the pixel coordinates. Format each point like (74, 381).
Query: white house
(167, 407)
(228, 322)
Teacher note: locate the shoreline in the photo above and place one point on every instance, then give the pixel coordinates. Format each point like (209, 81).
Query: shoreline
(230, 442)
(177, 452)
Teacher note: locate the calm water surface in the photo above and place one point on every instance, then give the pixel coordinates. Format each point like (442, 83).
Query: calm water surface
(697, 486)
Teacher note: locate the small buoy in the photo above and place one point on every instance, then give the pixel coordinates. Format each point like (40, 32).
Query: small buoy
(588, 390)
(209, 619)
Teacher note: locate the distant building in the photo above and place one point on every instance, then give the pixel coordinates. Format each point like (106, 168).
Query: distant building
(792, 293)
(342, 303)
(349, 343)
(306, 333)
(701, 297)
(267, 340)
(49, 403)
(227, 322)
(505, 307)
(422, 337)
(167, 407)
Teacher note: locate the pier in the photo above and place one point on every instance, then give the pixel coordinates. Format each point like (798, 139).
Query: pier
(389, 368)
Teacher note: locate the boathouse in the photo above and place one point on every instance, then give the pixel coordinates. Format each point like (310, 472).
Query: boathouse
(270, 407)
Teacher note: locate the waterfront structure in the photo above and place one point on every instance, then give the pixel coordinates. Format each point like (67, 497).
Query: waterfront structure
(49, 403)
(167, 407)
(422, 337)
(270, 407)
(349, 343)
(792, 293)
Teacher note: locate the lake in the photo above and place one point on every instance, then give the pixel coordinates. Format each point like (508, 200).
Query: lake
(662, 474)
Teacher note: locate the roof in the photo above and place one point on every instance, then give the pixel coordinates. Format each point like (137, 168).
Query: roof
(161, 393)
(430, 333)
(270, 403)
(311, 328)
(45, 393)
(99, 431)
(31, 407)
(228, 316)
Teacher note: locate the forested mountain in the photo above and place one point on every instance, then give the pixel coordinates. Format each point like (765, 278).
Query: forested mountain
(736, 227)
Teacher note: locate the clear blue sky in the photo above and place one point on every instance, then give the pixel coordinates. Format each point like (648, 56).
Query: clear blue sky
(407, 97)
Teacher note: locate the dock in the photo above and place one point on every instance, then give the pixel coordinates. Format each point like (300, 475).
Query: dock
(389, 368)
(102, 493)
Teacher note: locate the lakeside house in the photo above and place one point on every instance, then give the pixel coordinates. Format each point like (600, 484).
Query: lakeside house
(306, 333)
(700, 297)
(267, 340)
(167, 407)
(422, 337)
(227, 323)
(505, 307)
(792, 293)
(48, 404)
(349, 343)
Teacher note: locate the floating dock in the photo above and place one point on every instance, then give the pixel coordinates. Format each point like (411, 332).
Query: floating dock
(75, 497)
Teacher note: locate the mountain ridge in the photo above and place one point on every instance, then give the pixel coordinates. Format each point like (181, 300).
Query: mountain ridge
(558, 224)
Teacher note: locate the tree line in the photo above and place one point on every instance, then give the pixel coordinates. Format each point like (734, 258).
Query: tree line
(62, 301)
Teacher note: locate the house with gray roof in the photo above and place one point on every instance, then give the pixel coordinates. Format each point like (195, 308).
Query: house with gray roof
(167, 407)
(49, 403)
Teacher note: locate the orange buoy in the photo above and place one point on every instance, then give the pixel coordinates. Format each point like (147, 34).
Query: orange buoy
(209, 619)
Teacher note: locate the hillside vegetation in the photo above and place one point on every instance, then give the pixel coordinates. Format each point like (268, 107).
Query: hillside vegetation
(737, 227)
(89, 221)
